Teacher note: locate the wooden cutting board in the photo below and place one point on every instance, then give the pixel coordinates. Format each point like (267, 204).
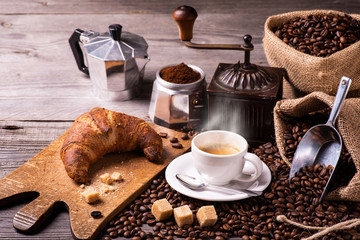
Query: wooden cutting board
(45, 174)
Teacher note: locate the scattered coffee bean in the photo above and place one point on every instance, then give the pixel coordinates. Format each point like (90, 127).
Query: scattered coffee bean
(184, 136)
(320, 35)
(96, 214)
(163, 134)
(113, 234)
(177, 145)
(173, 140)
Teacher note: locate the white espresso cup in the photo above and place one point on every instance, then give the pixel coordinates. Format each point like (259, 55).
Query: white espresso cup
(219, 157)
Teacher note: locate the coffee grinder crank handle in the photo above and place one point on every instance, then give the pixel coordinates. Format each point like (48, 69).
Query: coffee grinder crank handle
(185, 16)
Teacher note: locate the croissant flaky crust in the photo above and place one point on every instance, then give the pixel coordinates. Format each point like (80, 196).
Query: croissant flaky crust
(101, 131)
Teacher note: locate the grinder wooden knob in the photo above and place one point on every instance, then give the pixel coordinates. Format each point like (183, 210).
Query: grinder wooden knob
(184, 17)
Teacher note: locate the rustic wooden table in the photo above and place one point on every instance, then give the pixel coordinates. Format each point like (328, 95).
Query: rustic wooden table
(42, 91)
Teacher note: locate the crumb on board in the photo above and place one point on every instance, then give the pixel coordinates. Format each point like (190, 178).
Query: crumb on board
(109, 179)
(90, 195)
(103, 186)
(116, 176)
(105, 178)
(106, 188)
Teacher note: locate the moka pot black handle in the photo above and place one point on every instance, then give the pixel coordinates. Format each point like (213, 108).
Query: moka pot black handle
(74, 42)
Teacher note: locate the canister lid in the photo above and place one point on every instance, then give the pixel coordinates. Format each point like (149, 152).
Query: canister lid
(116, 45)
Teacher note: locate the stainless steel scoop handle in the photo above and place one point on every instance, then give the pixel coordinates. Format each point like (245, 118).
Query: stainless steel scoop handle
(339, 99)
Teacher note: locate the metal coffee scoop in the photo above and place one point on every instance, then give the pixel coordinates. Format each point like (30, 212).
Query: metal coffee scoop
(322, 143)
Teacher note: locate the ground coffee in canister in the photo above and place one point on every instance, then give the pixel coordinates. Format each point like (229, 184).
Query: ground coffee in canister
(179, 74)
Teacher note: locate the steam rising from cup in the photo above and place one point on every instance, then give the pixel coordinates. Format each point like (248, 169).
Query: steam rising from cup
(230, 119)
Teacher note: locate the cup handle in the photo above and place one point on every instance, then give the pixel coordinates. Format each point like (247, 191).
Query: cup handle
(255, 160)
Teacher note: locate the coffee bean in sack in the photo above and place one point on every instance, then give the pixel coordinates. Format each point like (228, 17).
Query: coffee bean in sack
(320, 35)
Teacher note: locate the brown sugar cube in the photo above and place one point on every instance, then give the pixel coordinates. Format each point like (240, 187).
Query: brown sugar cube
(183, 215)
(206, 216)
(161, 209)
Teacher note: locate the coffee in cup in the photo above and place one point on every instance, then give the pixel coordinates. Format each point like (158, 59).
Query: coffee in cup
(219, 149)
(219, 157)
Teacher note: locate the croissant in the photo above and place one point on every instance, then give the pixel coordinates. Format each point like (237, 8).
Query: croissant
(101, 131)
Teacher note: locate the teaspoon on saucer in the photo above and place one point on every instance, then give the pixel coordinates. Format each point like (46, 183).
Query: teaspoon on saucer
(198, 185)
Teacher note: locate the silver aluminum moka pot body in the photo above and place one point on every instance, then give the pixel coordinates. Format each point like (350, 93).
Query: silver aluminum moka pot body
(115, 61)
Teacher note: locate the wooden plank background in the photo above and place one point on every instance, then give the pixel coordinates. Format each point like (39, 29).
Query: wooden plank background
(42, 91)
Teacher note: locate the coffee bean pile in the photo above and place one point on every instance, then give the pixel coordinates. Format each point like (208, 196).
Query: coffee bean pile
(251, 218)
(320, 35)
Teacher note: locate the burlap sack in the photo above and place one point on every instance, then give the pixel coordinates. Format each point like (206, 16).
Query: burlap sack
(347, 124)
(308, 73)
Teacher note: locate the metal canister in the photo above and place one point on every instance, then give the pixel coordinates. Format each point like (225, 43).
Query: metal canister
(176, 105)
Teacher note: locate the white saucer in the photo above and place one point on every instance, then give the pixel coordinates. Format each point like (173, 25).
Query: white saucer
(184, 165)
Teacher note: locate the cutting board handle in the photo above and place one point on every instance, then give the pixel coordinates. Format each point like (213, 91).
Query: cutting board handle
(34, 213)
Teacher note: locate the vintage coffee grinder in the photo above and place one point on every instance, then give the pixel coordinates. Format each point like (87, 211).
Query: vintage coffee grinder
(240, 96)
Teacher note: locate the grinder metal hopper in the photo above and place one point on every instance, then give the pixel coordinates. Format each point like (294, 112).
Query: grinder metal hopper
(322, 143)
